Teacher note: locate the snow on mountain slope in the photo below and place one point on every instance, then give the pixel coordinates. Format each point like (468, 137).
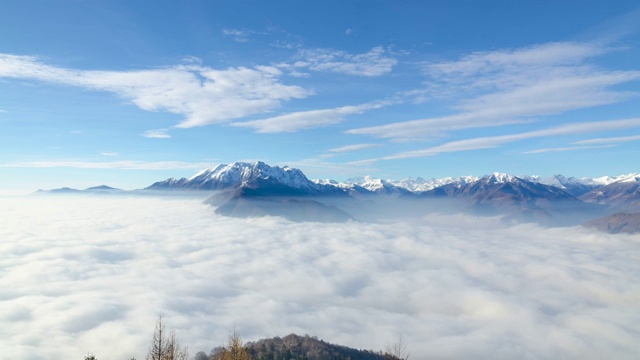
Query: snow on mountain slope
(498, 178)
(419, 184)
(572, 185)
(240, 174)
(630, 178)
(415, 185)
(378, 186)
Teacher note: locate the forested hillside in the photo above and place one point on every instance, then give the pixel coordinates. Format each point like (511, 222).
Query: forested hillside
(165, 346)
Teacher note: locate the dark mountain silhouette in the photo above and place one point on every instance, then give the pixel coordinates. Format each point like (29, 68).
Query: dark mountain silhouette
(247, 202)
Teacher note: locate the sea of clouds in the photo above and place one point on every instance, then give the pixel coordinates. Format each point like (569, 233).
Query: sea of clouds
(83, 275)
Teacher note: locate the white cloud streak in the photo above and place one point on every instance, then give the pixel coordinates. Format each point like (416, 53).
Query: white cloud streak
(157, 134)
(80, 275)
(307, 119)
(511, 86)
(563, 149)
(354, 147)
(495, 141)
(202, 95)
(611, 140)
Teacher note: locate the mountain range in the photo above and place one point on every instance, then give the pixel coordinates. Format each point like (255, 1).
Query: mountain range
(257, 189)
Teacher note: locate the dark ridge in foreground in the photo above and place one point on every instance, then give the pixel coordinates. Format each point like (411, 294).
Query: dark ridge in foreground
(617, 223)
(247, 202)
(304, 348)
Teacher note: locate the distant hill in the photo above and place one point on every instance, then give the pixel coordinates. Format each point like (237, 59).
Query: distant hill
(247, 202)
(305, 348)
(617, 223)
(101, 189)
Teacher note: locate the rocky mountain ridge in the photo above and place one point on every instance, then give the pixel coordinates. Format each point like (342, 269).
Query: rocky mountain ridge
(258, 189)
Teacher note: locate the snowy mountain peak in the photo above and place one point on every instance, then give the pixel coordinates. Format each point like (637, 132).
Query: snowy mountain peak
(368, 182)
(606, 180)
(243, 173)
(499, 178)
(628, 178)
(240, 174)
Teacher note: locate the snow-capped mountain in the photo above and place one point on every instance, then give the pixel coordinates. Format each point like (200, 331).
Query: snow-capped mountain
(500, 193)
(414, 185)
(377, 186)
(629, 178)
(258, 189)
(255, 176)
(418, 185)
(580, 186)
(572, 185)
(500, 186)
(622, 194)
(349, 188)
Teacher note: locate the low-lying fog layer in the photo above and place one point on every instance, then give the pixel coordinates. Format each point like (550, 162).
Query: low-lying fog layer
(81, 275)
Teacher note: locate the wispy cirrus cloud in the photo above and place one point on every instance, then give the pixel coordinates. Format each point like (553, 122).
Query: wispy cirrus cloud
(343, 150)
(239, 35)
(354, 147)
(375, 62)
(563, 149)
(489, 142)
(610, 140)
(308, 119)
(501, 87)
(157, 134)
(203, 95)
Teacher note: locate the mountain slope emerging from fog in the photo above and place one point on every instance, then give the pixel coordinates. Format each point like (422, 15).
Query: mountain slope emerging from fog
(617, 223)
(247, 202)
(273, 179)
(257, 189)
(515, 197)
(623, 194)
(254, 190)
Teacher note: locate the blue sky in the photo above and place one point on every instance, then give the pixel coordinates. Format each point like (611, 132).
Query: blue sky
(130, 92)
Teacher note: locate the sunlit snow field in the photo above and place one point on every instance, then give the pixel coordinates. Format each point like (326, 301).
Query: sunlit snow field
(85, 275)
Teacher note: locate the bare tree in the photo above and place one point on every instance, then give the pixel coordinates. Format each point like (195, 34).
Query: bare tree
(164, 346)
(235, 349)
(397, 350)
